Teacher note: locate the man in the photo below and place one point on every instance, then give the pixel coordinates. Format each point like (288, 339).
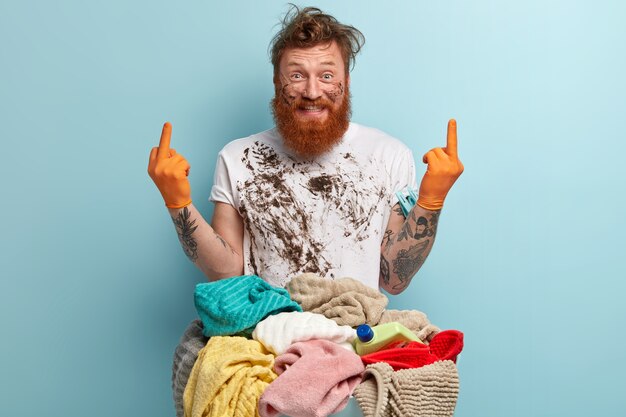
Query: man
(317, 193)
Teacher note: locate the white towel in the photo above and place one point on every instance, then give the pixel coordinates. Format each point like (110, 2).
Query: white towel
(280, 331)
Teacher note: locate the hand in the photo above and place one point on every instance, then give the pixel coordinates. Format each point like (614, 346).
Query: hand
(169, 172)
(444, 167)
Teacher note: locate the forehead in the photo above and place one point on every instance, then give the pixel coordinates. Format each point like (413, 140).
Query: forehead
(322, 54)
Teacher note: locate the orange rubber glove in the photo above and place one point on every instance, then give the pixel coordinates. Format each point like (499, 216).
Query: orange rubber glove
(444, 167)
(169, 172)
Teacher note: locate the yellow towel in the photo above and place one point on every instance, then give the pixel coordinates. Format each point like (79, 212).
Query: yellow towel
(228, 378)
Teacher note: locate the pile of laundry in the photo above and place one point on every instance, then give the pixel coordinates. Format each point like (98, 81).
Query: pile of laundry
(259, 350)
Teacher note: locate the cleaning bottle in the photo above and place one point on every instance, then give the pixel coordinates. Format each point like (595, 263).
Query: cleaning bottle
(372, 339)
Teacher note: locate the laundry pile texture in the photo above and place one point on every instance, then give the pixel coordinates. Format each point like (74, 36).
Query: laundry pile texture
(316, 379)
(428, 391)
(282, 330)
(259, 350)
(185, 357)
(235, 305)
(229, 376)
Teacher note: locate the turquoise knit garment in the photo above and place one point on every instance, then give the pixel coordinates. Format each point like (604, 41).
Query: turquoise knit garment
(235, 305)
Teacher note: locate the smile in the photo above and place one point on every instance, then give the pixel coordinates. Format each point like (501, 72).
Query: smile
(312, 112)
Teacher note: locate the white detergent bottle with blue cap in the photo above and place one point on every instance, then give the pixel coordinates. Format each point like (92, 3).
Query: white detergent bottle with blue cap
(372, 339)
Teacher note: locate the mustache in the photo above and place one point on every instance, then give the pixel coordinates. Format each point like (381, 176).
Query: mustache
(302, 102)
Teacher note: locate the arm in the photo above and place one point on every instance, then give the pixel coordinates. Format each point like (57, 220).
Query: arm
(407, 242)
(405, 246)
(216, 250)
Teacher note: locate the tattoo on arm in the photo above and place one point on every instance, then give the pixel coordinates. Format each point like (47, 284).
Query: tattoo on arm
(422, 229)
(418, 234)
(405, 232)
(384, 269)
(389, 240)
(407, 262)
(185, 228)
(425, 228)
(224, 243)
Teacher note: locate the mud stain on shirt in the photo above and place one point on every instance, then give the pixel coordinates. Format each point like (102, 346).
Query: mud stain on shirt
(278, 221)
(356, 208)
(276, 215)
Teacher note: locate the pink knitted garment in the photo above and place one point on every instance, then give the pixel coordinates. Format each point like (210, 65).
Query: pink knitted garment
(315, 379)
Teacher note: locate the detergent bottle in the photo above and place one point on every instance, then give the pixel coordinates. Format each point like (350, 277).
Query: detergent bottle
(372, 339)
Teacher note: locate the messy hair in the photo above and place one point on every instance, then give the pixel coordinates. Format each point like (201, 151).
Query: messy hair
(309, 27)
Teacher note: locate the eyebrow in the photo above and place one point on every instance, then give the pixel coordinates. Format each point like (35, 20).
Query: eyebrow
(298, 64)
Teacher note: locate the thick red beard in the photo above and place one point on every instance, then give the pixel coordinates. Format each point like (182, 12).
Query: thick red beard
(310, 138)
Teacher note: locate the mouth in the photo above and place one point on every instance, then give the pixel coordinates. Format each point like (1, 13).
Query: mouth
(311, 111)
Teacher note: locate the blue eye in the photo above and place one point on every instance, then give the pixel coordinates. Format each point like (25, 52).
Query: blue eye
(327, 77)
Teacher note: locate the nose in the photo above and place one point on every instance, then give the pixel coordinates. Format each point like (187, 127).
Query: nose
(312, 89)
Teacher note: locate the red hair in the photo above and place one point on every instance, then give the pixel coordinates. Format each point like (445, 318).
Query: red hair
(309, 27)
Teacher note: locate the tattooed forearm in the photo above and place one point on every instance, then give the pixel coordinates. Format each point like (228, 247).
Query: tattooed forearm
(408, 262)
(405, 250)
(185, 228)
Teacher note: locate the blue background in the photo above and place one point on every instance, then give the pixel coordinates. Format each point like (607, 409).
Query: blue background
(529, 259)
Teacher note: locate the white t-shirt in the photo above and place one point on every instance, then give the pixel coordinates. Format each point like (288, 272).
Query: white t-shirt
(327, 216)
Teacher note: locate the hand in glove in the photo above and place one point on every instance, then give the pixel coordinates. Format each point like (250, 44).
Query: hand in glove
(444, 167)
(169, 172)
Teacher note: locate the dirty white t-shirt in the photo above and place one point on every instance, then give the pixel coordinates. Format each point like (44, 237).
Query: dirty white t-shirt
(327, 216)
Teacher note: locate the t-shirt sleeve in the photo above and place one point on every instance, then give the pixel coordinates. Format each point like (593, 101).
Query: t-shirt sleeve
(402, 175)
(222, 190)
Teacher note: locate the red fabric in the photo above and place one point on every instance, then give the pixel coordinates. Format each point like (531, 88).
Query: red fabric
(446, 345)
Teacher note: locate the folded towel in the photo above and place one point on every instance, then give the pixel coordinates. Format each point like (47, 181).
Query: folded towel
(446, 345)
(185, 356)
(315, 379)
(280, 331)
(345, 300)
(431, 390)
(413, 320)
(235, 305)
(228, 378)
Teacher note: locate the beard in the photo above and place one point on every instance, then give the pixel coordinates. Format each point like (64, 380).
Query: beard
(310, 138)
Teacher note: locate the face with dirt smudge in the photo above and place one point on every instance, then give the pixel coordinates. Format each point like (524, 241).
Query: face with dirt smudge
(311, 105)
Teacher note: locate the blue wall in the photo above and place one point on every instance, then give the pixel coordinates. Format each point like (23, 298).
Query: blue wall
(529, 259)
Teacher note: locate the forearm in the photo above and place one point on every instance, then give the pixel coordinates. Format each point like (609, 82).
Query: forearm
(204, 247)
(403, 253)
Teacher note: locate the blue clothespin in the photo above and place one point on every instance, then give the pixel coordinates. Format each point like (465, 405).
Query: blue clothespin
(407, 199)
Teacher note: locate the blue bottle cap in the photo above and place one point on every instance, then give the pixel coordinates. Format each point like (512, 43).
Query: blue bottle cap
(364, 333)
